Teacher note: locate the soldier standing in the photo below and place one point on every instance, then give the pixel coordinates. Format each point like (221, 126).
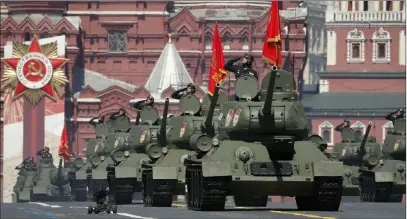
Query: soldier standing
(190, 89)
(345, 124)
(245, 68)
(149, 101)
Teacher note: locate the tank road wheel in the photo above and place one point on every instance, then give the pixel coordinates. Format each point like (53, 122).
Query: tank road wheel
(205, 193)
(157, 193)
(371, 191)
(327, 196)
(90, 210)
(255, 201)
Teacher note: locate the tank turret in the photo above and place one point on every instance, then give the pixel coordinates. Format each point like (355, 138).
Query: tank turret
(193, 131)
(59, 177)
(394, 146)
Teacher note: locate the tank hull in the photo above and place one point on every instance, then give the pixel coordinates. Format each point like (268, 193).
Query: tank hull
(78, 183)
(351, 181)
(169, 173)
(24, 194)
(260, 177)
(97, 177)
(125, 178)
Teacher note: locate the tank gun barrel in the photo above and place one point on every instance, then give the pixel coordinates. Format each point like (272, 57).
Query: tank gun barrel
(267, 110)
(209, 117)
(59, 174)
(364, 140)
(163, 125)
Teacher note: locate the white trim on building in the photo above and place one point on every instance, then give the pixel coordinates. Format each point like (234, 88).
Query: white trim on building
(88, 100)
(117, 13)
(359, 125)
(381, 36)
(387, 125)
(402, 48)
(355, 36)
(327, 125)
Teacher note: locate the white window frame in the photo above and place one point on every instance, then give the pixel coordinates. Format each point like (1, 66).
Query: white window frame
(245, 47)
(225, 46)
(327, 125)
(208, 46)
(381, 36)
(355, 36)
(359, 125)
(386, 126)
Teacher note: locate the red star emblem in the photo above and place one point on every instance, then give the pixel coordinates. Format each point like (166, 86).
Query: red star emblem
(36, 70)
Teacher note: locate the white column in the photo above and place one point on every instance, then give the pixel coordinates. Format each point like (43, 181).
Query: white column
(396, 5)
(331, 48)
(375, 5)
(402, 48)
(361, 5)
(344, 5)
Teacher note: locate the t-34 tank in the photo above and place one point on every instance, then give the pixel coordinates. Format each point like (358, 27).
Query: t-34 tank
(164, 174)
(354, 153)
(97, 174)
(386, 181)
(263, 149)
(22, 190)
(79, 166)
(124, 175)
(51, 183)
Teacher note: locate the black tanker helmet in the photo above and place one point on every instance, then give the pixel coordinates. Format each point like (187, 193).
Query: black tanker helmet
(151, 98)
(249, 59)
(192, 85)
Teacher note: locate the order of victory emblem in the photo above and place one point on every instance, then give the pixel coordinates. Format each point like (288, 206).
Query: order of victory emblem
(396, 145)
(143, 136)
(229, 117)
(116, 142)
(34, 71)
(344, 150)
(236, 117)
(96, 147)
(182, 131)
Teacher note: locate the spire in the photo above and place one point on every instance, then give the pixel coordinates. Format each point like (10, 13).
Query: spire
(169, 71)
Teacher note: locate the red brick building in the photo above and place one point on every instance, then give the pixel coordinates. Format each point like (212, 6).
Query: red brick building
(365, 75)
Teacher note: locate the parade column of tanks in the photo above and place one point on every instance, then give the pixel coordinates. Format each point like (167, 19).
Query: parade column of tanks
(263, 149)
(124, 176)
(385, 181)
(24, 184)
(96, 174)
(50, 183)
(185, 135)
(355, 152)
(78, 176)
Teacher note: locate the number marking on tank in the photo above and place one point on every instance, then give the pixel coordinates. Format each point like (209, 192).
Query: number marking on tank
(229, 117)
(344, 150)
(143, 136)
(236, 117)
(96, 146)
(116, 143)
(396, 145)
(182, 131)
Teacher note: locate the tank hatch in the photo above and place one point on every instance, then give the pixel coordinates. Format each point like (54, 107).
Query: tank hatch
(122, 124)
(189, 104)
(348, 135)
(284, 86)
(246, 87)
(149, 115)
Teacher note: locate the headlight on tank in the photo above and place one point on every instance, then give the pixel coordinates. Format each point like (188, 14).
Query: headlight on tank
(102, 158)
(95, 160)
(154, 151)
(348, 172)
(371, 160)
(215, 141)
(78, 163)
(165, 150)
(126, 153)
(381, 162)
(244, 154)
(118, 156)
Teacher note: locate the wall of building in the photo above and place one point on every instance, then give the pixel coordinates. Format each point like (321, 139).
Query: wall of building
(363, 85)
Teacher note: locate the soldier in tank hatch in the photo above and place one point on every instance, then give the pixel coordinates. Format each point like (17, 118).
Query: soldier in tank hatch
(190, 89)
(399, 114)
(345, 124)
(121, 112)
(245, 68)
(26, 163)
(100, 120)
(149, 101)
(44, 152)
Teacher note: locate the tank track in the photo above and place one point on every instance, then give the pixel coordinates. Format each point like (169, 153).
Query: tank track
(121, 189)
(327, 195)
(371, 191)
(254, 201)
(205, 193)
(157, 193)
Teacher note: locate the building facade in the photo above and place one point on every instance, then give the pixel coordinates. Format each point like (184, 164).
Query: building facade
(365, 75)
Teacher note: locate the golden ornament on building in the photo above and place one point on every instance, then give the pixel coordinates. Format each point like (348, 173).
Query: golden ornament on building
(34, 71)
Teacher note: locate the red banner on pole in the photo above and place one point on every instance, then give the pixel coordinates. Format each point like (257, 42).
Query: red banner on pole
(216, 74)
(272, 42)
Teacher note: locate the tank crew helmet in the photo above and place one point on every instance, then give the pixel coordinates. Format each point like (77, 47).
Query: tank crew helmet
(122, 111)
(248, 59)
(191, 88)
(46, 149)
(150, 100)
(346, 121)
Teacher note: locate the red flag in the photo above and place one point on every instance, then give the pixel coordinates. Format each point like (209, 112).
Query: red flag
(216, 73)
(272, 42)
(63, 149)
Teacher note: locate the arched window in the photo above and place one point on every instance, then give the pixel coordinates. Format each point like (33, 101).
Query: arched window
(355, 46)
(27, 36)
(358, 133)
(226, 43)
(388, 127)
(359, 128)
(381, 46)
(208, 42)
(44, 35)
(326, 135)
(245, 43)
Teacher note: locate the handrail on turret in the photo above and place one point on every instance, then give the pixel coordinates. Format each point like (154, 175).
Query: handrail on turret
(364, 140)
(163, 123)
(138, 117)
(267, 107)
(209, 117)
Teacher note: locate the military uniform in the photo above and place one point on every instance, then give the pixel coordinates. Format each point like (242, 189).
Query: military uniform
(340, 127)
(142, 103)
(240, 70)
(393, 115)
